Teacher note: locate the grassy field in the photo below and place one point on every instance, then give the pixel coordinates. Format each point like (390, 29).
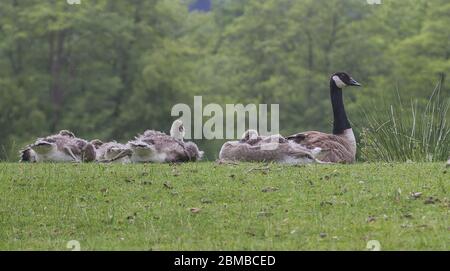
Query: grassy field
(207, 206)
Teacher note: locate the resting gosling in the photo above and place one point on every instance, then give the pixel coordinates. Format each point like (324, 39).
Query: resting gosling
(157, 147)
(254, 148)
(111, 152)
(62, 147)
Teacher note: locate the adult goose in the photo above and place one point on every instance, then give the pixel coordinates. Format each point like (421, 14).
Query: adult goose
(158, 147)
(61, 147)
(111, 151)
(275, 148)
(341, 145)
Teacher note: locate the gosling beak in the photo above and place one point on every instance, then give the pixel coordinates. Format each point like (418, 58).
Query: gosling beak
(353, 82)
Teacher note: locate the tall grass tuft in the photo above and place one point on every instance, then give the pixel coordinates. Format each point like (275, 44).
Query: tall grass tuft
(408, 133)
(9, 154)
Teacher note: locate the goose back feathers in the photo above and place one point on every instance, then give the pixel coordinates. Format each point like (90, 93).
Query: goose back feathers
(336, 148)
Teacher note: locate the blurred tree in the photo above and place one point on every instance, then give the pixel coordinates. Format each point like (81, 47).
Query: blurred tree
(423, 59)
(110, 69)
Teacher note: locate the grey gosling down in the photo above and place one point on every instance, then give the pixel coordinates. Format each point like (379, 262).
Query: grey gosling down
(111, 152)
(158, 147)
(61, 147)
(255, 148)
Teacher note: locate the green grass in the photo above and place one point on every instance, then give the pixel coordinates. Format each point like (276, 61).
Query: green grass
(147, 207)
(408, 132)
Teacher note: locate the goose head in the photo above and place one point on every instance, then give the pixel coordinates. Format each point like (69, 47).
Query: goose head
(177, 130)
(249, 135)
(343, 79)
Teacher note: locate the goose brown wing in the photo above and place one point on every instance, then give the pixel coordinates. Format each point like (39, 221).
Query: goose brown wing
(336, 147)
(303, 138)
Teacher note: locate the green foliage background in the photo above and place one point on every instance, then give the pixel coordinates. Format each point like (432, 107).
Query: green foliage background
(110, 69)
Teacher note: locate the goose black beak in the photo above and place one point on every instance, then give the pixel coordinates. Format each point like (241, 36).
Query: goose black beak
(353, 82)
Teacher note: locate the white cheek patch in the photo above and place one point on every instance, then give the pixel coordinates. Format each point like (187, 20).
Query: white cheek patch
(339, 82)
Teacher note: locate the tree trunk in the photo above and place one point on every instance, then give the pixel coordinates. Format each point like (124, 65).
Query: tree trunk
(56, 51)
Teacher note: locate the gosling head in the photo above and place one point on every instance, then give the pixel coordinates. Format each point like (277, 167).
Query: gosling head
(250, 134)
(67, 133)
(177, 130)
(343, 79)
(97, 143)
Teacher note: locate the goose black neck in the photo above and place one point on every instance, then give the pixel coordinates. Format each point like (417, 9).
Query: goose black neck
(340, 120)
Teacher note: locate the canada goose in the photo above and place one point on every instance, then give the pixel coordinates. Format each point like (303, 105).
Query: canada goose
(62, 147)
(111, 151)
(341, 145)
(255, 148)
(158, 147)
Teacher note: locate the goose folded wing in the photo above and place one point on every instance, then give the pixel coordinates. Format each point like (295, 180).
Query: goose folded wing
(334, 147)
